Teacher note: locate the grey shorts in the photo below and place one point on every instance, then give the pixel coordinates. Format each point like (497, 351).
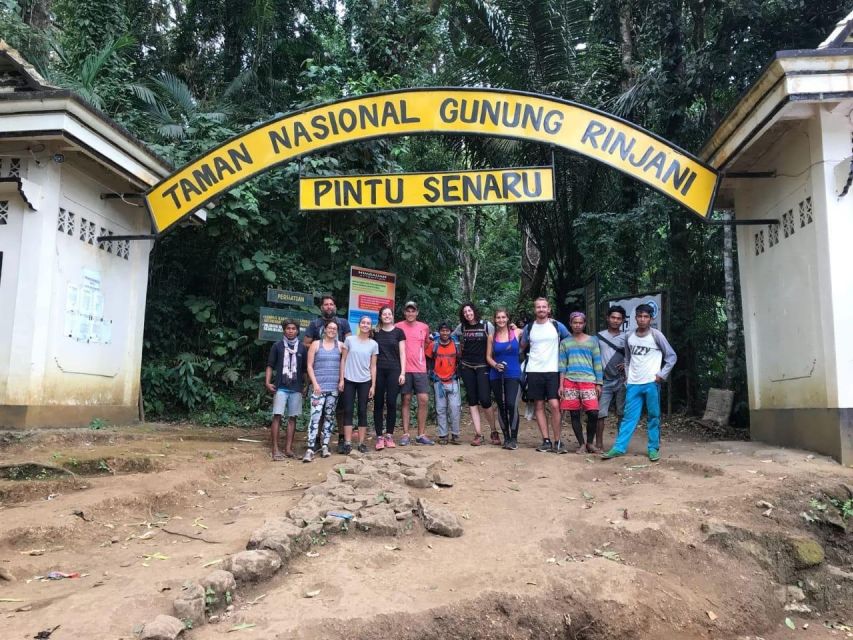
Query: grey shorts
(287, 403)
(415, 383)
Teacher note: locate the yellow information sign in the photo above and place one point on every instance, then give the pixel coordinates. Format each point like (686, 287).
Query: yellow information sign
(456, 111)
(444, 189)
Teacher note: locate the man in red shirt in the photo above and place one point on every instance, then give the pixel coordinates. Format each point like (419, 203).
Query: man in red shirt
(417, 379)
(445, 355)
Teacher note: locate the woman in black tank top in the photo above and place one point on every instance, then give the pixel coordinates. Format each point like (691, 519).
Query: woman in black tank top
(474, 338)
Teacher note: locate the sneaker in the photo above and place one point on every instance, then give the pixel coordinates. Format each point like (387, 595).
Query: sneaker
(389, 441)
(342, 446)
(404, 441)
(613, 453)
(423, 439)
(324, 452)
(654, 455)
(513, 444)
(477, 441)
(309, 456)
(495, 438)
(362, 448)
(454, 439)
(380, 443)
(545, 446)
(442, 440)
(346, 449)
(559, 448)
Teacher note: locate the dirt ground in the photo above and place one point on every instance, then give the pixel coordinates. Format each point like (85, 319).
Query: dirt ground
(554, 546)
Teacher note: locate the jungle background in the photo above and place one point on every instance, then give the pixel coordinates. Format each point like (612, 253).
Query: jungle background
(184, 75)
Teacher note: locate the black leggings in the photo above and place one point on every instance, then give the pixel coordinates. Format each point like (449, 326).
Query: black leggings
(350, 390)
(476, 383)
(507, 393)
(387, 390)
(591, 424)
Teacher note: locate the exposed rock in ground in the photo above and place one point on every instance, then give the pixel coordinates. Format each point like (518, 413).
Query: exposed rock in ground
(162, 628)
(220, 582)
(277, 535)
(378, 521)
(252, 566)
(189, 605)
(439, 520)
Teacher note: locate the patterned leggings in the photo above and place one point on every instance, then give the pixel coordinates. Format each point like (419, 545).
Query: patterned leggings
(322, 408)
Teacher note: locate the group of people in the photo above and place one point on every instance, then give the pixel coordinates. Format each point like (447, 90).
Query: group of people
(498, 363)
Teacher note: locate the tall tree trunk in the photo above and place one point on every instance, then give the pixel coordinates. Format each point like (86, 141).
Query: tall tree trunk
(626, 46)
(731, 301)
(469, 237)
(533, 271)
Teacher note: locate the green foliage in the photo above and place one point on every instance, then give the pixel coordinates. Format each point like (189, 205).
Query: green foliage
(96, 424)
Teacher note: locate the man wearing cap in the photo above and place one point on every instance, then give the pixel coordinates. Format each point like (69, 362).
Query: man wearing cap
(417, 380)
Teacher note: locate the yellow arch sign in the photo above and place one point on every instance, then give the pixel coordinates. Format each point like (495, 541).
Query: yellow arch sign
(457, 111)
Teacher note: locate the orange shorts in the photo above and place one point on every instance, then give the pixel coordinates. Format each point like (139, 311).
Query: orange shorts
(575, 396)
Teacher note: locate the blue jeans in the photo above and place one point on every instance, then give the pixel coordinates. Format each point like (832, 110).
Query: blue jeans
(634, 397)
(447, 406)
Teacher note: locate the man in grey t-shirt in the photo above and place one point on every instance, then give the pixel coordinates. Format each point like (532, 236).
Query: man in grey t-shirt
(612, 344)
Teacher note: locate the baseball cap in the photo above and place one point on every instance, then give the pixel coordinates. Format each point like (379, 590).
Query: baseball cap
(412, 304)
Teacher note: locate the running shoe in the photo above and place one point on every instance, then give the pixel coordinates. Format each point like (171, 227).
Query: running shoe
(362, 448)
(559, 448)
(380, 443)
(404, 441)
(423, 439)
(495, 438)
(324, 452)
(309, 456)
(613, 453)
(545, 446)
(454, 439)
(389, 441)
(654, 455)
(513, 444)
(477, 441)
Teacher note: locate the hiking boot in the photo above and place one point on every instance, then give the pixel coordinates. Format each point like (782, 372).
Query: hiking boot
(380, 443)
(513, 444)
(559, 448)
(613, 453)
(495, 438)
(404, 441)
(477, 441)
(309, 456)
(362, 448)
(324, 452)
(654, 455)
(423, 439)
(342, 446)
(545, 446)
(346, 449)
(389, 441)
(442, 440)
(454, 439)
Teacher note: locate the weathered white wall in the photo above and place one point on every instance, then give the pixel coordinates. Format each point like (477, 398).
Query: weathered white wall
(787, 362)
(10, 247)
(39, 363)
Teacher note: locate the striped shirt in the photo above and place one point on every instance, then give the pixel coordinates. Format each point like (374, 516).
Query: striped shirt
(581, 361)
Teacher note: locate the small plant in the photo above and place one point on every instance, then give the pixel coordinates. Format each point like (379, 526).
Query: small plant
(228, 598)
(97, 424)
(211, 599)
(103, 466)
(188, 624)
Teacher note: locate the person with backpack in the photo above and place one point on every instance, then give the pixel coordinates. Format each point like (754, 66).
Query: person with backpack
(649, 359)
(505, 376)
(390, 376)
(611, 341)
(444, 356)
(541, 340)
(475, 336)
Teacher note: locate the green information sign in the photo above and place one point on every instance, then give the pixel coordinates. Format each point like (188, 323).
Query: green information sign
(269, 323)
(283, 296)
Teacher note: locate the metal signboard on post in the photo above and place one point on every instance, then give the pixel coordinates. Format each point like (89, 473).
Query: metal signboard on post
(369, 291)
(296, 298)
(269, 323)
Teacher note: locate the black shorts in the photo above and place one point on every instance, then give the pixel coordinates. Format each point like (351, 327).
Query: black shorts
(543, 386)
(477, 388)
